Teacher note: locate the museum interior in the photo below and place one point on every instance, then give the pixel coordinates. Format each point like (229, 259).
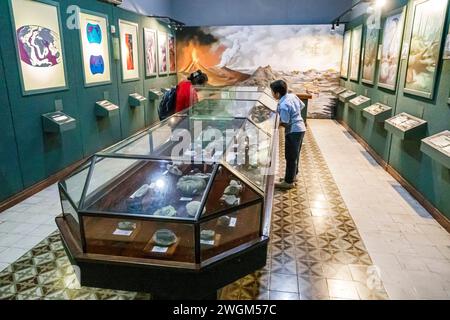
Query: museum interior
(148, 143)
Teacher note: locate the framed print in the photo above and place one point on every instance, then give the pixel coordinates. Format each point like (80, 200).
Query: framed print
(39, 45)
(150, 47)
(346, 54)
(129, 50)
(447, 47)
(425, 46)
(172, 54)
(95, 48)
(391, 50)
(355, 56)
(162, 53)
(370, 55)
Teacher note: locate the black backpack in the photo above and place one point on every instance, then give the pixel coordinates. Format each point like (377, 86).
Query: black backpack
(167, 104)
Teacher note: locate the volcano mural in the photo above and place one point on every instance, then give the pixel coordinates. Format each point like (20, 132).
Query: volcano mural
(308, 57)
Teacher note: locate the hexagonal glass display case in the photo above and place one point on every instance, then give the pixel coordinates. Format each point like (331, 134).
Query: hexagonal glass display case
(185, 199)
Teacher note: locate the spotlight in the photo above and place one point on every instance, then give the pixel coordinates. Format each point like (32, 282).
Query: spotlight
(333, 28)
(337, 24)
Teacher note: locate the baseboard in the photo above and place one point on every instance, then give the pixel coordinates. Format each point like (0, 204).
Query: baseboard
(30, 191)
(435, 213)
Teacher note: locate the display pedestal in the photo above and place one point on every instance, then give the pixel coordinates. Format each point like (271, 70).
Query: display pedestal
(406, 126)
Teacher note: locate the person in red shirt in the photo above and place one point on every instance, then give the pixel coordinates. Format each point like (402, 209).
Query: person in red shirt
(186, 93)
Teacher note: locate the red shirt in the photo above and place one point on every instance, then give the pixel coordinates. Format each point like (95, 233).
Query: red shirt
(186, 96)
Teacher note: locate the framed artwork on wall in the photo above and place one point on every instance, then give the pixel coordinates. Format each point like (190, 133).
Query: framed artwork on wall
(162, 53)
(172, 53)
(346, 54)
(129, 48)
(150, 48)
(355, 56)
(391, 50)
(425, 46)
(94, 38)
(370, 55)
(39, 45)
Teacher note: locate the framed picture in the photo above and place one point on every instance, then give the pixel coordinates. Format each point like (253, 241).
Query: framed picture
(172, 53)
(162, 53)
(370, 55)
(391, 50)
(94, 38)
(39, 45)
(129, 48)
(346, 54)
(355, 56)
(150, 47)
(425, 47)
(447, 48)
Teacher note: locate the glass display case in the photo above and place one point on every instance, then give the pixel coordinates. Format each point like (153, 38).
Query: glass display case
(191, 194)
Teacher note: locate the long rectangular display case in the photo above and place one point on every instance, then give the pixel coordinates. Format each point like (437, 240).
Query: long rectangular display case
(181, 202)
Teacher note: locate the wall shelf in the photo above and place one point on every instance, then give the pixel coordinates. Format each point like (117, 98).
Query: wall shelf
(437, 147)
(377, 112)
(406, 126)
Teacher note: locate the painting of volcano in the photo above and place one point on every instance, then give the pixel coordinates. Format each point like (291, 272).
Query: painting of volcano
(308, 57)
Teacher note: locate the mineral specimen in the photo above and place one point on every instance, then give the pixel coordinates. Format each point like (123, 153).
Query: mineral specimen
(230, 200)
(192, 208)
(207, 235)
(192, 185)
(164, 238)
(126, 225)
(168, 211)
(224, 221)
(234, 188)
(173, 169)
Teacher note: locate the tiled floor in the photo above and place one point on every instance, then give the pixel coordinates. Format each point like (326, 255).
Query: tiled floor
(410, 248)
(344, 208)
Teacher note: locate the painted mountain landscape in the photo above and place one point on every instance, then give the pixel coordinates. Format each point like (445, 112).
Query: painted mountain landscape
(308, 57)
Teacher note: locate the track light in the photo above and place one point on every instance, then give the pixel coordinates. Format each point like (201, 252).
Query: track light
(380, 3)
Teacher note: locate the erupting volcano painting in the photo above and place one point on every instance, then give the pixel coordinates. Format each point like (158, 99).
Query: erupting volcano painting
(307, 57)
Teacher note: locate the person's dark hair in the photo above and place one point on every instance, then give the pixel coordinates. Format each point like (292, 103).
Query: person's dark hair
(198, 78)
(280, 87)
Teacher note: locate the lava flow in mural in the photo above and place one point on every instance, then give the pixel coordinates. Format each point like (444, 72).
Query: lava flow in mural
(308, 58)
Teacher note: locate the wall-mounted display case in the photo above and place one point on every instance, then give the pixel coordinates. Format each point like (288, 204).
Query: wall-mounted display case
(346, 96)
(57, 122)
(437, 147)
(359, 103)
(155, 94)
(406, 126)
(337, 91)
(136, 100)
(105, 109)
(182, 202)
(377, 112)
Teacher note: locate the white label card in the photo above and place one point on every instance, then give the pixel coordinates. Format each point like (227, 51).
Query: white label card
(233, 222)
(185, 199)
(158, 249)
(207, 242)
(125, 233)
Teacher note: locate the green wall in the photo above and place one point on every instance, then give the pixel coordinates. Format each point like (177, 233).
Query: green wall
(27, 154)
(427, 176)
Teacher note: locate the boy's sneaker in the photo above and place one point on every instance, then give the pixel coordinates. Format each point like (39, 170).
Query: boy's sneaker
(295, 179)
(284, 185)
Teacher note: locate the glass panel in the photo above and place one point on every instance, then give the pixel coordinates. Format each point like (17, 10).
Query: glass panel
(264, 117)
(74, 184)
(227, 191)
(139, 239)
(222, 108)
(251, 155)
(147, 187)
(186, 139)
(230, 231)
(71, 216)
